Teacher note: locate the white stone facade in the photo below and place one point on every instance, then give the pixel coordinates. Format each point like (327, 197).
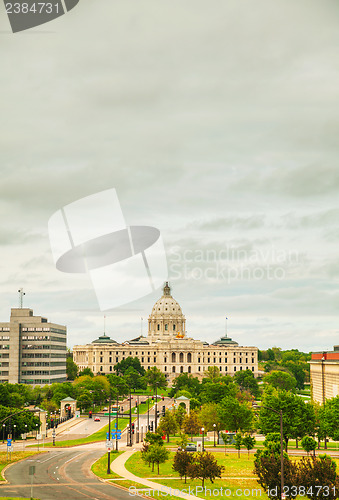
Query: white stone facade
(168, 348)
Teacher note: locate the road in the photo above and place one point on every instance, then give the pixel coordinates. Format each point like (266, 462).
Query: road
(60, 474)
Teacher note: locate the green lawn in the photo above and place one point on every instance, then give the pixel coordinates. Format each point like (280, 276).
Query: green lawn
(16, 456)
(99, 468)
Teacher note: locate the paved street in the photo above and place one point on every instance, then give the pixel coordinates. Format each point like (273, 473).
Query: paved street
(60, 474)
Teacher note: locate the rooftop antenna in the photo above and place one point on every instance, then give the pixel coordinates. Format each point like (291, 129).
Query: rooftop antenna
(21, 295)
(226, 327)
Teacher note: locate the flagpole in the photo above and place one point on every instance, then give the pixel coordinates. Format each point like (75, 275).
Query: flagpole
(226, 326)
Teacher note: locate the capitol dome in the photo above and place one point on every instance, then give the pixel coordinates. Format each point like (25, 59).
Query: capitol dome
(166, 319)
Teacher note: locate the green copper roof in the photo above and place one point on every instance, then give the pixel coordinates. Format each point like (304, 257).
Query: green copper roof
(104, 339)
(225, 341)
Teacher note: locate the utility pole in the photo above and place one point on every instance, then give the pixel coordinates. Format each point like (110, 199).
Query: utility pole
(21, 295)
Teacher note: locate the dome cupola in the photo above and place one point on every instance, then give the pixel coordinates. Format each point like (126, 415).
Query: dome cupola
(166, 319)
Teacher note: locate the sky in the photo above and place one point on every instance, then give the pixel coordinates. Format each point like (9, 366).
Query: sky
(216, 123)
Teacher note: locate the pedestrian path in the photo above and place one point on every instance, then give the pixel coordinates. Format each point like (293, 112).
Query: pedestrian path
(118, 466)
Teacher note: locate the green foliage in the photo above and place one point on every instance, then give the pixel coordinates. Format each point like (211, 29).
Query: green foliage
(86, 371)
(212, 373)
(127, 363)
(119, 386)
(181, 462)
(209, 415)
(186, 382)
(156, 454)
(249, 443)
(318, 476)
(215, 392)
(330, 416)
(235, 416)
(191, 423)
(168, 424)
(71, 369)
(155, 378)
(281, 380)
(267, 466)
(20, 418)
(308, 444)
(179, 415)
(247, 382)
(182, 441)
(204, 466)
(272, 442)
(298, 416)
(238, 442)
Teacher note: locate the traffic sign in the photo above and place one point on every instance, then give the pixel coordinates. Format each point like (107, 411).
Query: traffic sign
(39, 436)
(53, 434)
(109, 444)
(10, 448)
(107, 435)
(9, 442)
(109, 450)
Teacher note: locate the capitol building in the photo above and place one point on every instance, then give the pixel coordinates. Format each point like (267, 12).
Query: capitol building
(168, 347)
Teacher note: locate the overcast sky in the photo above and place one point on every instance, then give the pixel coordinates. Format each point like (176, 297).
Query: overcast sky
(216, 122)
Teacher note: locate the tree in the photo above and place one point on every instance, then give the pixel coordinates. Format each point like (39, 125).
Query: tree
(181, 461)
(238, 442)
(212, 373)
(267, 467)
(204, 466)
(292, 407)
(249, 443)
(86, 371)
(208, 416)
(168, 424)
(191, 423)
(235, 416)
(119, 386)
(155, 378)
(215, 392)
(308, 444)
(130, 362)
(317, 476)
(281, 380)
(156, 454)
(246, 381)
(184, 381)
(133, 379)
(331, 417)
(179, 415)
(71, 369)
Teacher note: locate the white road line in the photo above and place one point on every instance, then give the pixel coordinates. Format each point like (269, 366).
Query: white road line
(50, 458)
(73, 458)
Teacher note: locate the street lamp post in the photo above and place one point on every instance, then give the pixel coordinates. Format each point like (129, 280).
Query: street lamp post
(3, 433)
(130, 419)
(214, 433)
(147, 413)
(14, 426)
(203, 434)
(109, 436)
(280, 413)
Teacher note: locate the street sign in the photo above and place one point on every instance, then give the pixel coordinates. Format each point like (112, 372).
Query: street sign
(9, 442)
(39, 436)
(109, 450)
(109, 444)
(107, 435)
(10, 448)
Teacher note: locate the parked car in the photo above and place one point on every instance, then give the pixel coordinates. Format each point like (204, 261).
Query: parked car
(191, 447)
(97, 419)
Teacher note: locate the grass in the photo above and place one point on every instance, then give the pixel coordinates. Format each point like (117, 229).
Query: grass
(99, 468)
(16, 456)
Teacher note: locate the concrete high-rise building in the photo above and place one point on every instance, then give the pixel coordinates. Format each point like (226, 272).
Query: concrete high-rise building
(324, 373)
(168, 347)
(32, 350)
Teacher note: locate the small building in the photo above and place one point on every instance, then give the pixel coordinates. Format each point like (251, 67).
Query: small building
(32, 350)
(324, 373)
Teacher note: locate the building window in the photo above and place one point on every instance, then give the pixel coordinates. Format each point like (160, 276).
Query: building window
(198, 360)
(142, 360)
(166, 327)
(117, 359)
(173, 369)
(252, 368)
(181, 358)
(101, 359)
(174, 327)
(165, 369)
(189, 358)
(148, 360)
(173, 357)
(165, 360)
(225, 360)
(189, 369)
(240, 360)
(220, 368)
(241, 368)
(208, 360)
(235, 368)
(181, 369)
(252, 360)
(110, 368)
(214, 360)
(158, 327)
(225, 368)
(110, 359)
(198, 368)
(246, 360)
(154, 360)
(234, 360)
(101, 368)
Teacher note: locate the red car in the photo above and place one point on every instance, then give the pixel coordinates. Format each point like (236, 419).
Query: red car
(97, 419)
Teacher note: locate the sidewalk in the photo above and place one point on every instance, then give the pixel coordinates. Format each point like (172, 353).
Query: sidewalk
(118, 466)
